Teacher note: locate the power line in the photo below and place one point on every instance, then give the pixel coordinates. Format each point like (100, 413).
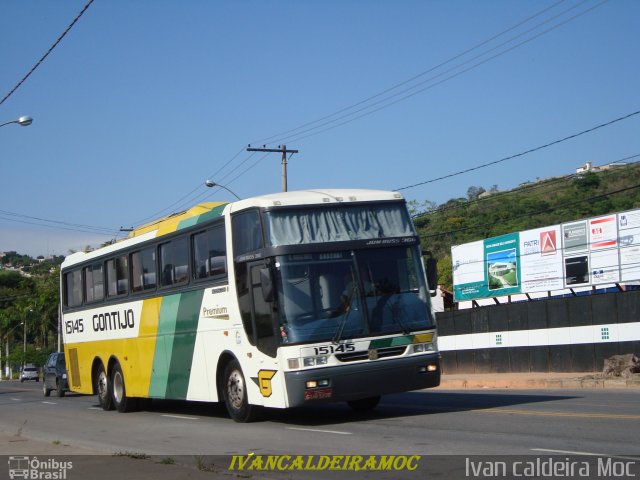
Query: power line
(55, 44)
(104, 234)
(526, 152)
(67, 224)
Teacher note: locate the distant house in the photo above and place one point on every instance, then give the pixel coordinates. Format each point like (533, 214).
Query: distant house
(589, 167)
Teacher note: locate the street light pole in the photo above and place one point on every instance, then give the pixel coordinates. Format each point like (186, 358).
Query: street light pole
(24, 338)
(22, 121)
(211, 184)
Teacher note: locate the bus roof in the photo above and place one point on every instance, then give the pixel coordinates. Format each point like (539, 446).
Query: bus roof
(208, 211)
(315, 197)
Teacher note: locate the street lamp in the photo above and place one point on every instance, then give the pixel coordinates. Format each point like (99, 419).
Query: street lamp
(211, 184)
(22, 121)
(7, 367)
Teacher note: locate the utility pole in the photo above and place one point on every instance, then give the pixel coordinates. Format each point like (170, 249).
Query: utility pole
(281, 149)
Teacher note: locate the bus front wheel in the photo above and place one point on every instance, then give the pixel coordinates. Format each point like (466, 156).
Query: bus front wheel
(103, 388)
(235, 394)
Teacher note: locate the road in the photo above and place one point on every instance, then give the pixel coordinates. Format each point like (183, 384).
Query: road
(434, 422)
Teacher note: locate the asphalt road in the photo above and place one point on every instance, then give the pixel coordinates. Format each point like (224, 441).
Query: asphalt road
(430, 422)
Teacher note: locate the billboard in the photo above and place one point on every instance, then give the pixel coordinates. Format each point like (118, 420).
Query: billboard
(595, 251)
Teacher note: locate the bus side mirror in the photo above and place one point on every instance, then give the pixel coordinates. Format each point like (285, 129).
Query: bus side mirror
(432, 273)
(266, 283)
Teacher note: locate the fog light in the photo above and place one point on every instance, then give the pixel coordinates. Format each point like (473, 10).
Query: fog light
(293, 363)
(432, 368)
(311, 384)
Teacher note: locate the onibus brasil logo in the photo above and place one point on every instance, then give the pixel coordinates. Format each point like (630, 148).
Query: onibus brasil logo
(33, 468)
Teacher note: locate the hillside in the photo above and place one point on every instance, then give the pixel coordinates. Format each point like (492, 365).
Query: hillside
(547, 202)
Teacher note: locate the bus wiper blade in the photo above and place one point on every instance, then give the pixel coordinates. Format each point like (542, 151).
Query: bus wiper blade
(338, 336)
(397, 318)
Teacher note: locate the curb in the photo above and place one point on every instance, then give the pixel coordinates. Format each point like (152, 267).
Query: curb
(481, 382)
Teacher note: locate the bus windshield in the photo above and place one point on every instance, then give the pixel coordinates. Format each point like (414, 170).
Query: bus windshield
(320, 225)
(348, 294)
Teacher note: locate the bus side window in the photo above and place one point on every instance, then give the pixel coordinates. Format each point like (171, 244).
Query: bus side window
(143, 270)
(93, 283)
(73, 288)
(247, 233)
(174, 257)
(117, 276)
(209, 253)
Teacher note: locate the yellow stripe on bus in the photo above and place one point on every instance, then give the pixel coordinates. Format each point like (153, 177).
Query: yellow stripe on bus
(134, 354)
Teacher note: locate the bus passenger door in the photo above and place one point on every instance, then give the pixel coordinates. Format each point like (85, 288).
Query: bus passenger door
(257, 317)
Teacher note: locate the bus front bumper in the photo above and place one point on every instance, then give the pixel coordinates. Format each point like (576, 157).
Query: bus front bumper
(363, 380)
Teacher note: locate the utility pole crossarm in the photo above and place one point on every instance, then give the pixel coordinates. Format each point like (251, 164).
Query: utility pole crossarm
(281, 149)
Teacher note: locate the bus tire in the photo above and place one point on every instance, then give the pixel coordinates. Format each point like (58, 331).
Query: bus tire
(234, 391)
(121, 402)
(45, 390)
(364, 404)
(102, 386)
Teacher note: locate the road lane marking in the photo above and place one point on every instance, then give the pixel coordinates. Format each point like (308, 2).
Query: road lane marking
(49, 403)
(95, 408)
(586, 454)
(610, 416)
(16, 399)
(321, 431)
(182, 417)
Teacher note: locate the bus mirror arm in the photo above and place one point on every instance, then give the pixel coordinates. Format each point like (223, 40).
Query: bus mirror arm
(266, 283)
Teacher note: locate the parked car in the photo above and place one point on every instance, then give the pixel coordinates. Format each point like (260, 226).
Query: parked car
(55, 375)
(29, 372)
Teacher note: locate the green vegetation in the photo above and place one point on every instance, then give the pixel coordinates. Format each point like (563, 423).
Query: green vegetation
(28, 298)
(544, 203)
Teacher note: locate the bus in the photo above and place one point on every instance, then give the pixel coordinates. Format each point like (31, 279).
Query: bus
(279, 301)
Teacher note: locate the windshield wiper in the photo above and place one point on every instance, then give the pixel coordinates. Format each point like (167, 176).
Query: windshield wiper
(338, 336)
(397, 318)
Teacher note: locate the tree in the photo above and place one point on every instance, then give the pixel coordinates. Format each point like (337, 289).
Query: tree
(474, 192)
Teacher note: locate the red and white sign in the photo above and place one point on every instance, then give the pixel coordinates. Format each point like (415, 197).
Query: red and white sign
(603, 232)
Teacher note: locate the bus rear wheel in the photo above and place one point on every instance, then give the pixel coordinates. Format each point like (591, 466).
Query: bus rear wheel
(121, 402)
(234, 391)
(364, 404)
(103, 388)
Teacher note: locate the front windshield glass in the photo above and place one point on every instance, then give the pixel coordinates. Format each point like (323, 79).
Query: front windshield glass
(348, 294)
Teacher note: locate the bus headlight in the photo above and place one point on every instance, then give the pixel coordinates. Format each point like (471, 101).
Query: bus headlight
(312, 361)
(423, 347)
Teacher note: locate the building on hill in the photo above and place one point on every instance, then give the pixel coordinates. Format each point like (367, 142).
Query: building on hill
(589, 167)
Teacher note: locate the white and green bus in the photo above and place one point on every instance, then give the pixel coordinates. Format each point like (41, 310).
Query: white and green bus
(275, 301)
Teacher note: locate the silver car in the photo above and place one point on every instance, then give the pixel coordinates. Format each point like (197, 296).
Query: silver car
(29, 372)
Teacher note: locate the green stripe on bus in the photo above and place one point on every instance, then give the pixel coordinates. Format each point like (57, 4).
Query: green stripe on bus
(391, 342)
(184, 344)
(214, 213)
(164, 346)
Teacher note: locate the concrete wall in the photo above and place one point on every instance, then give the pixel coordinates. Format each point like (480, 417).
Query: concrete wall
(556, 335)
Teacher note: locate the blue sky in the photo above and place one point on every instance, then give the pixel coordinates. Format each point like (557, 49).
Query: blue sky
(144, 100)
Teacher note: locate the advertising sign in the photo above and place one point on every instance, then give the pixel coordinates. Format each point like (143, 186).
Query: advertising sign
(541, 259)
(595, 251)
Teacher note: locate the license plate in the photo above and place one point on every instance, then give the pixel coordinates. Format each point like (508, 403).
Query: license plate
(318, 394)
